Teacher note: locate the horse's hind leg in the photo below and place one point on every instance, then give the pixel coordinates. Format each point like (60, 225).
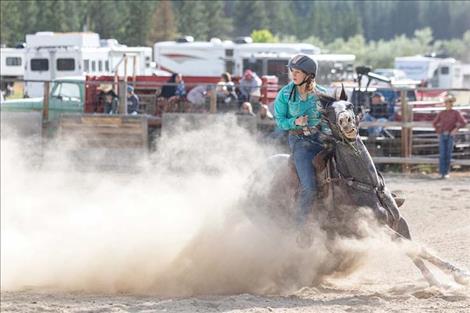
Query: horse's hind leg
(403, 233)
(425, 271)
(460, 276)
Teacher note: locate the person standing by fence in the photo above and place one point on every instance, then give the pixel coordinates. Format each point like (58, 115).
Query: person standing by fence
(446, 124)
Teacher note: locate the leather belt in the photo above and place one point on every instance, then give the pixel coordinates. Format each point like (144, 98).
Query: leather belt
(301, 132)
(296, 132)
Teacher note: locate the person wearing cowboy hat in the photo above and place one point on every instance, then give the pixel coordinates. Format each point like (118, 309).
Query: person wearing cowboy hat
(446, 124)
(109, 98)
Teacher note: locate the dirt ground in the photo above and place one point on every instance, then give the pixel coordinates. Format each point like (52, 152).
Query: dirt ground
(438, 212)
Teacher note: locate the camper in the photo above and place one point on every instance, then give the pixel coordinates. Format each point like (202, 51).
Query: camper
(432, 72)
(51, 55)
(216, 57)
(12, 63)
(11, 68)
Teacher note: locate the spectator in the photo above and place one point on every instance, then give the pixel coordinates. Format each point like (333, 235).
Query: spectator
(250, 87)
(106, 99)
(246, 109)
(169, 89)
(264, 113)
(226, 95)
(111, 103)
(132, 101)
(447, 123)
(173, 94)
(378, 111)
(199, 95)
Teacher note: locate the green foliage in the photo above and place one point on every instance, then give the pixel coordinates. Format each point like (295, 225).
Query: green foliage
(192, 19)
(249, 15)
(162, 24)
(262, 35)
(218, 25)
(374, 31)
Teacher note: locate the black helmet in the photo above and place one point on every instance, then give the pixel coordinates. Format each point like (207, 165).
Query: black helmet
(304, 63)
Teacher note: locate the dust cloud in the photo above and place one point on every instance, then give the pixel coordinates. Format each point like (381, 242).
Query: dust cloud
(172, 225)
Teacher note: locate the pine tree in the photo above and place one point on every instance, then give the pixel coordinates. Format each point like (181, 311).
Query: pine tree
(52, 16)
(218, 25)
(249, 16)
(192, 20)
(163, 23)
(280, 17)
(10, 25)
(139, 22)
(108, 19)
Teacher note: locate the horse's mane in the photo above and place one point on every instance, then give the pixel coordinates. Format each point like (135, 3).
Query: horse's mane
(327, 100)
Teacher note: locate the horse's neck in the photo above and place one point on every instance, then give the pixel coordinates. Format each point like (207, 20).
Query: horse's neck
(354, 161)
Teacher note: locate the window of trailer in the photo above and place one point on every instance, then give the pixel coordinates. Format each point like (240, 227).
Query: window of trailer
(39, 65)
(66, 64)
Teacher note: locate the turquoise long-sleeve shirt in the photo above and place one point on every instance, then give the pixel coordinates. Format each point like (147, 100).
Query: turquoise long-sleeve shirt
(287, 111)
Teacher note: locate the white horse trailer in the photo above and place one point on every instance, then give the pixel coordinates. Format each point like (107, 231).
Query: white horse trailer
(12, 62)
(435, 72)
(54, 55)
(216, 57)
(11, 68)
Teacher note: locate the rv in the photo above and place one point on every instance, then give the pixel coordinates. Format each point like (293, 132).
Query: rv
(216, 57)
(431, 71)
(11, 68)
(51, 55)
(12, 63)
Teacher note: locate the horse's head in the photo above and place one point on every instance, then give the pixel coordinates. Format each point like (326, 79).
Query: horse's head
(340, 116)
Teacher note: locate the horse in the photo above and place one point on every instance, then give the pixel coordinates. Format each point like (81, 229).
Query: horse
(347, 179)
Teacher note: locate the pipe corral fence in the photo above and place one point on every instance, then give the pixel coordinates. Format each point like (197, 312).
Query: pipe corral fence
(405, 142)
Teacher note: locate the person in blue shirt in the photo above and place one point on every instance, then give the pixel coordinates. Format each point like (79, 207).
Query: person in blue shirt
(132, 101)
(295, 111)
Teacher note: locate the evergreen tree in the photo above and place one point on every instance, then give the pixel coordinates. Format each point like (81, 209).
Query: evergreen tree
(218, 25)
(405, 17)
(108, 19)
(139, 22)
(28, 18)
(248, 16)
(52, 16)
(10, 24)
(280, 17)
(163, 23)
(192, 20)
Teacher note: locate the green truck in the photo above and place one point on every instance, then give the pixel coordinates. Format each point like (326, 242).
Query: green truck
(66, 95)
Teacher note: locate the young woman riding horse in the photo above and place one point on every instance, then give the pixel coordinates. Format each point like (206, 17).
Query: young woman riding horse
(296, 111)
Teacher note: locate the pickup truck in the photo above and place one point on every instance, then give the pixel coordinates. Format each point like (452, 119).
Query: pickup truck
(66, 95)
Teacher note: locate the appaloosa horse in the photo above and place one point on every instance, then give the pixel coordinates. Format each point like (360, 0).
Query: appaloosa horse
(347, 180)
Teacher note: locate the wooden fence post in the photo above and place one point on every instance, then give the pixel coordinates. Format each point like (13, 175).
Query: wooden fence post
(213, 101)
(406, 130)
(122, 97)
(45, 104)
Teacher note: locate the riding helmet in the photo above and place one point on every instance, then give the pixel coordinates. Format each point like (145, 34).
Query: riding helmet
(304, 63)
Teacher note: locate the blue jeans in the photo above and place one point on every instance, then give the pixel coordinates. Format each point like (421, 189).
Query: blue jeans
(446, 145)
(304, 149)
(376, 130)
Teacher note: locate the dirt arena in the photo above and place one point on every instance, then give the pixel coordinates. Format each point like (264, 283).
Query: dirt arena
(68, 246)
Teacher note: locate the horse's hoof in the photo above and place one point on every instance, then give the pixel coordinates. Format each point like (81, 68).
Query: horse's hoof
(462, 277)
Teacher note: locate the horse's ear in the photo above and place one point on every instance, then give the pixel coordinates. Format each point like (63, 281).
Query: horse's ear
(343, 95)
